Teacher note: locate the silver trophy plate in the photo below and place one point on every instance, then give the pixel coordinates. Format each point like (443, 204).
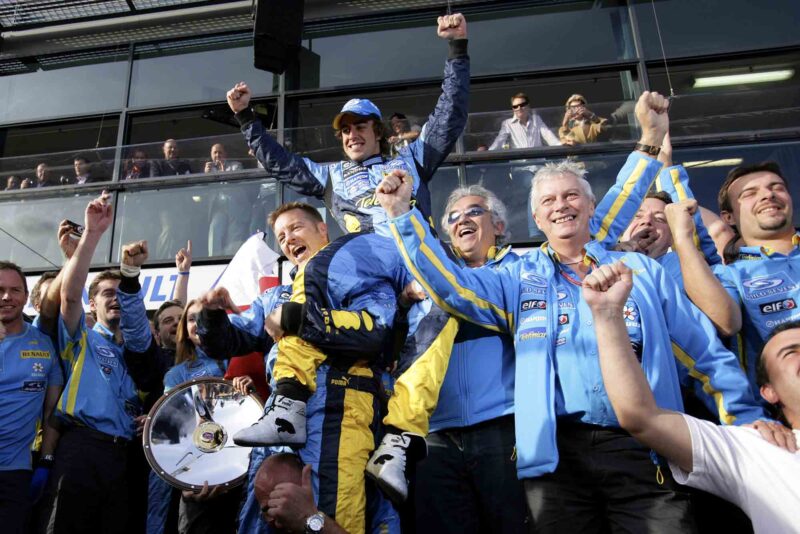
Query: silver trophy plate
(188, 435)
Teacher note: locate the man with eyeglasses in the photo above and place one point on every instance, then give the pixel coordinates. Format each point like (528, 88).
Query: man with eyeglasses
(525, 129)
(582, 473)
(470, 468)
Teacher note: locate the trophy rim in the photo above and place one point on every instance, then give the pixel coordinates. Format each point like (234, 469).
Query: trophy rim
(151, 461)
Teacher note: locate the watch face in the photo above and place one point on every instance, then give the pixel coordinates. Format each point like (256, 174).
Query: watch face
(315, 523)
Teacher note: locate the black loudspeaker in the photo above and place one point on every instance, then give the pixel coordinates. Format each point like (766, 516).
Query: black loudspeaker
(277, 33)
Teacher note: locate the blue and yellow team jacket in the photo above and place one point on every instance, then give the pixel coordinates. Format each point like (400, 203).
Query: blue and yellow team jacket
(349, 303)
(766, 285)
(348, 187)
(616, 211)
(479, 383)
(29, 364)
(513, 300)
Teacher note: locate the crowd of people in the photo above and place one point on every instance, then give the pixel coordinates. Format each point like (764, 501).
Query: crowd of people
(88, 169)
(416, 385)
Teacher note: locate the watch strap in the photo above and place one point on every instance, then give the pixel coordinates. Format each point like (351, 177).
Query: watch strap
(648, 149)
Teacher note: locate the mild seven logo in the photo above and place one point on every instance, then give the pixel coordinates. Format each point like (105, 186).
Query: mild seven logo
(767, 286)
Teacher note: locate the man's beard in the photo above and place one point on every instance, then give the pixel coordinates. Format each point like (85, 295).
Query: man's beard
(772, 225)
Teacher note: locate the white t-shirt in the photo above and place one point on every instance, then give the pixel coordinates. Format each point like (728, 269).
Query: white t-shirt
(737, 464)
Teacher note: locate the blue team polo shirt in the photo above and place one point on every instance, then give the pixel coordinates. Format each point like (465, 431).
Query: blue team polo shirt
(99, 392)
(28, 365)
(201, 366)
(581, 393)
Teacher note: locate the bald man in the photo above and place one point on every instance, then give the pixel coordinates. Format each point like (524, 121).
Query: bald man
(284, 493)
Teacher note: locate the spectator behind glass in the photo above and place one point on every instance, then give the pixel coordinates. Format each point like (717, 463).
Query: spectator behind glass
(43, 176)
(580, 125)
(219, 161)
(170, 165)
(85, 171)
(13, 182)
(403, 132)
(525, 129)
(137, 166)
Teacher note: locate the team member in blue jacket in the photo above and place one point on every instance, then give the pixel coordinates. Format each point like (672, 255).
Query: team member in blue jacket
(470, 469)
(561, 408)
(153, 503)
(100, 400)
(342, 407)
(381, 517)
(653, 215)
(348, 187)
(764, 281)
(30, 384)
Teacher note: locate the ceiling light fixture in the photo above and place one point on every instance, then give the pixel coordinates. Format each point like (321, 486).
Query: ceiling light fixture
(738, 79)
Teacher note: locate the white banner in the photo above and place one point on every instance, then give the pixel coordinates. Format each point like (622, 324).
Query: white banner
(158, 285)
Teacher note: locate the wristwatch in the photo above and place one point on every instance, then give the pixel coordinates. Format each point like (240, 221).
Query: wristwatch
(314, 523)
(649, 149)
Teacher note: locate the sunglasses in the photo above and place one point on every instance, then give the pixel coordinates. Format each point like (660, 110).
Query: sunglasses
(517, 106)
(471, 212)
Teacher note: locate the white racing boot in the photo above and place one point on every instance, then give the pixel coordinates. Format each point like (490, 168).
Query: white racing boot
(387, 465)
(283, 423)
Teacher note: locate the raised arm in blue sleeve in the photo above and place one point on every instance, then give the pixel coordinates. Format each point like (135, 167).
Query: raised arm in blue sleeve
(719, 381)
(449, 117)
(486, 297)
(140, 349)
(675, 182)
(615, 211)
(301, 174)
(134, 323)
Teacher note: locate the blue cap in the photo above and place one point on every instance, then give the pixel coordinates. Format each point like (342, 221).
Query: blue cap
(357, 106)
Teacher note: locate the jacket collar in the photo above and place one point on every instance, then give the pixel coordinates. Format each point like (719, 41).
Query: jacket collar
(757, 252)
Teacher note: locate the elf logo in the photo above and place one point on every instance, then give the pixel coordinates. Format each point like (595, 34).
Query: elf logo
(534, 304)
(777, 306)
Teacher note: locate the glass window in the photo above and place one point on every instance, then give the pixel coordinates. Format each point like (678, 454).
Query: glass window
(53, 137)
(531, 39)
(218, 218)
(608, 95)
(537, 38)
(221, 155)
(196, 70)
(29, 228)
(732, 96)
(700, 27)
(64, 85)
(406, 52)
(22, 150)
(62, 168)
(206, 121)
(195, 132)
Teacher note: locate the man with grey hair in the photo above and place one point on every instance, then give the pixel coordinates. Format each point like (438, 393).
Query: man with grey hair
(582, 472)
(470, 469)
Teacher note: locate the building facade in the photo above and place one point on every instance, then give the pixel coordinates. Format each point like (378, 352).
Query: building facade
(97, 88)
